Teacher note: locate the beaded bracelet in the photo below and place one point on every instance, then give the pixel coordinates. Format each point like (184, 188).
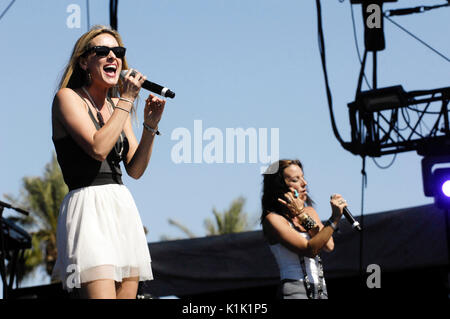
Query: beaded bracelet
(308, 223)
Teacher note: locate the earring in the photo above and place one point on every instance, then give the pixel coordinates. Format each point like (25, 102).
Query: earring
(89, 78)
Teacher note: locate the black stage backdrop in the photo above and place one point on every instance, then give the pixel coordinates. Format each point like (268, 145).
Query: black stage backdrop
(409, 245)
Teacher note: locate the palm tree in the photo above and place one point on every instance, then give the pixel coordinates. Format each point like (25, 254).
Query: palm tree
(42, 197)
(232, 220)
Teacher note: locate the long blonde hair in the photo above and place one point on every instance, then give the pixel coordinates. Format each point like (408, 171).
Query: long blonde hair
(74, 76)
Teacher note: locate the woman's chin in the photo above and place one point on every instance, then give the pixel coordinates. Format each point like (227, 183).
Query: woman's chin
(110, 81)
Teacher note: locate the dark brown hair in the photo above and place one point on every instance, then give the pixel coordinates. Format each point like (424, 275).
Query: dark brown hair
(274, 187)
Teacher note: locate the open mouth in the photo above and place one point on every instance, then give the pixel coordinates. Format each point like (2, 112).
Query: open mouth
(110, 70)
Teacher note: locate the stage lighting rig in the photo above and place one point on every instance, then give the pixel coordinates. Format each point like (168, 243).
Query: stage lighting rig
(390, 120)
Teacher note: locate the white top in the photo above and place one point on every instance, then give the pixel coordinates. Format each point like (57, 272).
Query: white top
(289, 263)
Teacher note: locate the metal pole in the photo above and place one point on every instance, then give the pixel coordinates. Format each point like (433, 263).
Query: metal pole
(88, 15)
(3, 256)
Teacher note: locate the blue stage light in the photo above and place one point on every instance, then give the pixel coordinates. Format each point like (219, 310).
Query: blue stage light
(446, 188)
(436, 181)
(441, 181)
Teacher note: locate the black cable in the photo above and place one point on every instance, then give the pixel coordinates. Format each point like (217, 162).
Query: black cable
(361, 220)
(419, 111)
(404, 110)
(407, 122)
(387, 166)
(324, 67)
(7, 8)
(426, 126)
(357, 46)
(417, 38)
(420, 9)
(422, 113)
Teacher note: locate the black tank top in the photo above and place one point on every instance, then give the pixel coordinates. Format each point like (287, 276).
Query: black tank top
(81, 170)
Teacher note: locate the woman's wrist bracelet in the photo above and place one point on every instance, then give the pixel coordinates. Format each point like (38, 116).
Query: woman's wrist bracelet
(302, 210)
(151, 129)
(121, 108)
(126, 100)
(308, 223)
(330, 222)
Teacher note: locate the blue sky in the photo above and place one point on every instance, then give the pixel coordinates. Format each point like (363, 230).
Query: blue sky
(233, 64)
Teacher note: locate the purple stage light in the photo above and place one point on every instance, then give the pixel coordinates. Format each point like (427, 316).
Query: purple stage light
(436, 181)
(446, 188)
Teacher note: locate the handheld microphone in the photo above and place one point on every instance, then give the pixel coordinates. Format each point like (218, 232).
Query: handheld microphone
(153, 87)
(351, 219)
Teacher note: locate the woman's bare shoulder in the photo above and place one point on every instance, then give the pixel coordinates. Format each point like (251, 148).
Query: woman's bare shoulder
(65, 92)
(67, 97)
(272, 225)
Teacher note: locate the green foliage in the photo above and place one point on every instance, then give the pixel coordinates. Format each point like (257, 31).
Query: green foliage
(42, 197)
(232, 220)
(181, 227)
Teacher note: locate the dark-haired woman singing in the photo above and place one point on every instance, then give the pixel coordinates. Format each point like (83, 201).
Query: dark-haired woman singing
(294, 231)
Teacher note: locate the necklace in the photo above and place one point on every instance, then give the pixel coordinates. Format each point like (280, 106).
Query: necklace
(310, 289)
(99, 115)
(102, 122)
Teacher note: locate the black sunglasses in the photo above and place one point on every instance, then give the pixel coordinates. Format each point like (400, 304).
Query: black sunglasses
(102, 51)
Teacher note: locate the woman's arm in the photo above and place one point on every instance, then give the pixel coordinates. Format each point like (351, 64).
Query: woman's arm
(140, 153)
(290, 238)
(69, 109)
(329, 246)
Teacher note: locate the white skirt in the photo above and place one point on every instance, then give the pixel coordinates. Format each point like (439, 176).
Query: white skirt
(100, 236)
